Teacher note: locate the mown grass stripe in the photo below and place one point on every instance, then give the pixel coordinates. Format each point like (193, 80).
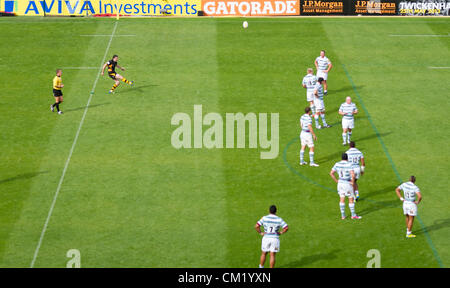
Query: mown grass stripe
(52, 206)
(427, 236)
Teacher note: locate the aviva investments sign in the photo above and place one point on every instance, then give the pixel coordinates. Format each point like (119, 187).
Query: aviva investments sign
(90, 7)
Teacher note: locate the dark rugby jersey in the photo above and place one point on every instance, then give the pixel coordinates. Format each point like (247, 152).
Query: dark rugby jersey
(111, 66)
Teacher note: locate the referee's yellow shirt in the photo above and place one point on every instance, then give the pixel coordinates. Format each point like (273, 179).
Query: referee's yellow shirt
(57, 81)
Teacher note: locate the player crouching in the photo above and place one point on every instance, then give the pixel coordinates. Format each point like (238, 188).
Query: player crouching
(112, 64)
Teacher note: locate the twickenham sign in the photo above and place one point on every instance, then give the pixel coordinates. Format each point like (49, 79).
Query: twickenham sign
(424, 8)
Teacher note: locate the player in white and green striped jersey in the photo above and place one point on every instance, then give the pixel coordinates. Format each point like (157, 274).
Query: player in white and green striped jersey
(410, 190)
(319, 104)
(345, 185)
(309, 82)
(323, 66)
(347, 110)
(273, 226)
(356, 157)
(307, 137)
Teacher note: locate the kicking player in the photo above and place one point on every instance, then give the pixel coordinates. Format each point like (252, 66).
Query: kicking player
(271, 235)
(318, 103)
(112, 64)
(306, 137)
(345, 185)
(309, 82)
(347, 110)
(57, 92)
(355, 157)
(323, 66)
(410, 190)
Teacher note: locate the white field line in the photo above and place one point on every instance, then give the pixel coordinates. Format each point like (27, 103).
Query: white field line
(79, 68)
(104, 35)
(418, 35)
(36, 252)
(431, 67)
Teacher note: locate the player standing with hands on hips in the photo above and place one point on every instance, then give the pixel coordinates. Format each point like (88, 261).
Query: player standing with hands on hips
(410, 190)
(271, 235)
(323, 66)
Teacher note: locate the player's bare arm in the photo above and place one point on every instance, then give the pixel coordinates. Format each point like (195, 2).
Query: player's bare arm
(317, 65)
(120, 67)
(419, 198)
(329, 67)
(363, 165)
(312, 132)
(103, 68)
(285, 229)
(352, 173)
(399, 195)
(333, 176)
(258, 229)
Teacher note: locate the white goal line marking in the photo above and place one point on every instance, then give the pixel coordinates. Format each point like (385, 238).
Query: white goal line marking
(431, 67)
(418, 35)
(80, 68)
(36, 252)
(104, 35)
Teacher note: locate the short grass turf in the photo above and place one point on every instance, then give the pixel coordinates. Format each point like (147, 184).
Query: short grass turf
(129, 199)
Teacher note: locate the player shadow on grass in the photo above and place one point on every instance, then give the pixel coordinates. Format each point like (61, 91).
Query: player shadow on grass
(332, 111)
(379, 205)
(135, 88)
(22, 176)
(437, 225)
(372, 136)
(84, 107)
(345, 89)
(331, 157)
(379, 192)
(310, 259)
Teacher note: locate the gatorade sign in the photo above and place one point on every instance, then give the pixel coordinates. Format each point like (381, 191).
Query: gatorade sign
(250, 7)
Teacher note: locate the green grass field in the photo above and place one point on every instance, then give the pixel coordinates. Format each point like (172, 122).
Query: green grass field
(129, 199)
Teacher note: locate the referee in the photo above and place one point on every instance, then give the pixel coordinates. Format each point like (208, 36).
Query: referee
(57, 93)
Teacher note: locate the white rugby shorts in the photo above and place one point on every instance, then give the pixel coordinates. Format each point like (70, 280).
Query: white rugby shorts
(348, 123)
(270, 244)
(345, 189)
(320, 106)
(323, 74)
(306, 139)
(310, 96)
(409, 208)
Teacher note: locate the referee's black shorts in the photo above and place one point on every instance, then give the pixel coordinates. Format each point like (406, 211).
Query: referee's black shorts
(57, 93)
